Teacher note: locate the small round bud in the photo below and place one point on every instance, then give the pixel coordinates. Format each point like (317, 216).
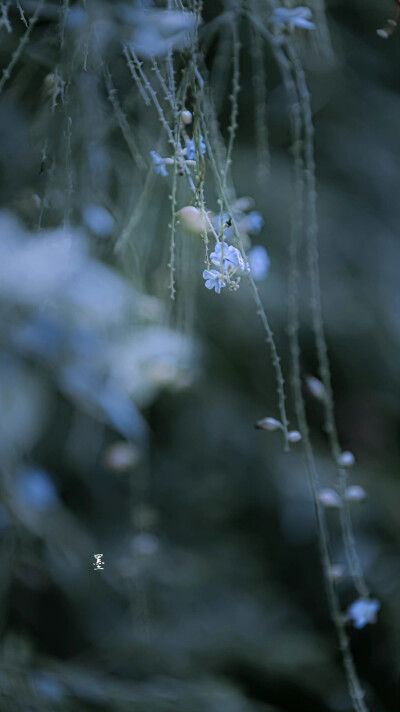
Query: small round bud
(382, 33)
(193, 219)
(186, 117)
(346, 459)
(336, 572)
(329, 498)
(355, 493)
(121, 456)
(49, 80)
(315, 387)
(294, 436)
(269, 424)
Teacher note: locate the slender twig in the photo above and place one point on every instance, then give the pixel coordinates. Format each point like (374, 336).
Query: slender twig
(21, 46)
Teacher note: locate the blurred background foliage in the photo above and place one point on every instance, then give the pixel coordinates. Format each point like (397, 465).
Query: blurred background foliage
(127, 420)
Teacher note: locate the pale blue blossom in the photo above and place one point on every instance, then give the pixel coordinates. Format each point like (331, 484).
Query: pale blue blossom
(259, 262)
(191, 148)
(363, 611)
(252, 223)
(159, 164)
(228, 257)
(213, 279)
(295, 17)
(98, 220)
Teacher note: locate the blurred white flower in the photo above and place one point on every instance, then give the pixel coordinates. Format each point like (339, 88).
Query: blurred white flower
(158, 31)
(35, 268)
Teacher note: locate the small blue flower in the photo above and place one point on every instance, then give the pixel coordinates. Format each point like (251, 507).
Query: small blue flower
(213, 279)
(226, 256)
(255, 222)
(259, 262)
(98, 220)
(191, 149)
(363, 611)
(159, 164)
(296, 17)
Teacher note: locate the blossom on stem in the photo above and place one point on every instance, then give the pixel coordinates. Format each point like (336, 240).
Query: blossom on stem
(213, 280)
(228, 258)
(191, 149)
(159, 164)
(363, 611)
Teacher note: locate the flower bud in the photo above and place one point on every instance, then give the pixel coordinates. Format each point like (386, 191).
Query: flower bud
(294, 436)
(193, 219)
(49, 80)
(269, 424)
(315, 387)
(355, 493)
(121, 456)
(186, 117)
(329, 498)
(346, 459)
(336, 572)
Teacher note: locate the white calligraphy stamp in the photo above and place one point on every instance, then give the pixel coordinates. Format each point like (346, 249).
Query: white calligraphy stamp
(97, 564)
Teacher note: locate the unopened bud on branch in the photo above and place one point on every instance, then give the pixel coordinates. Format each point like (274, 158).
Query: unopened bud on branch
(355, 493)
(315, 387)
(186, 117)
(269, 424)
(329, 498)
(346, 459)
(294, 436)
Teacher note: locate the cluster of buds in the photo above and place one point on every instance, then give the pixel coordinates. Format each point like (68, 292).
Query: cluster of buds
(189, 155)
(271, 424)
(391, 24)
(331, 499)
